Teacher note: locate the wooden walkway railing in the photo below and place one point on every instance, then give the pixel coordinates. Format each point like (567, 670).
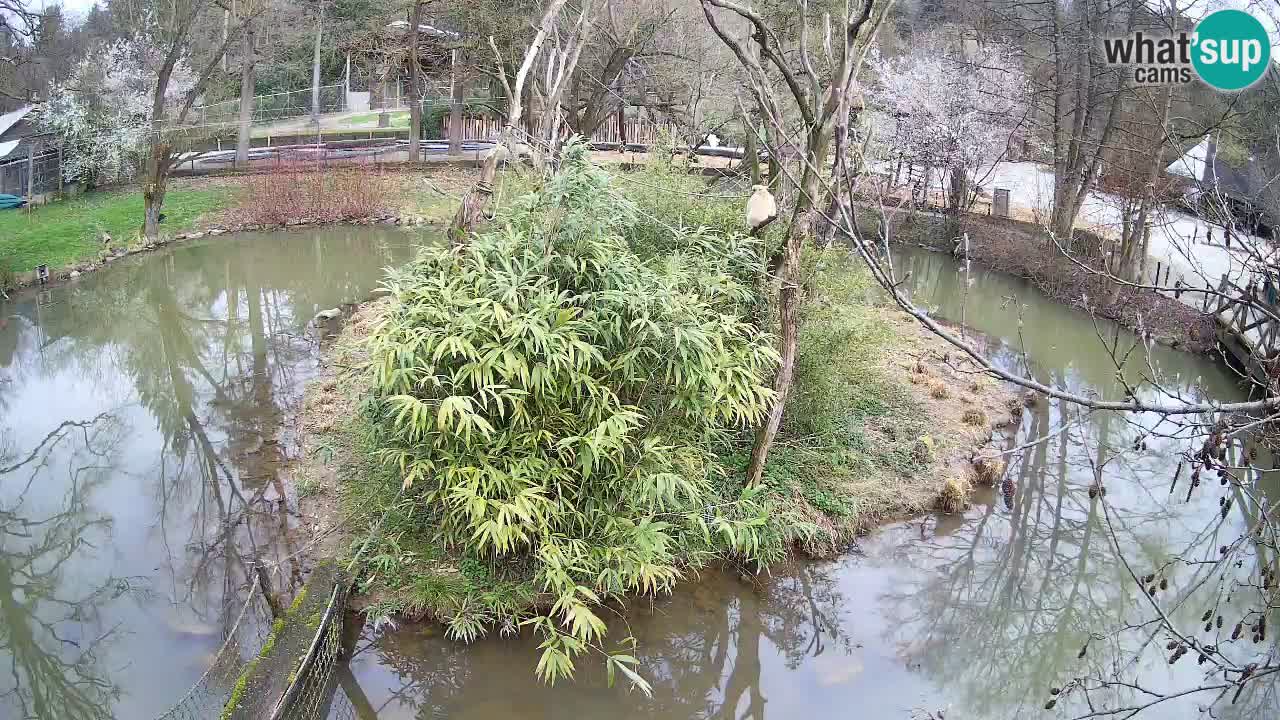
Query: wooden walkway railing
(1247, 321)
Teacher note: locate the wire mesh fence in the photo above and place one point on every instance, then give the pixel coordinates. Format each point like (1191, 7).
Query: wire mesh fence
(19, 175)
(315, 682)
(312, 692)
(343, 709)
(277, 106)
(206, 699)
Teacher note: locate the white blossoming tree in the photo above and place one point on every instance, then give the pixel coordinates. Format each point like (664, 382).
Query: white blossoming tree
(947, 115)
(129, 117)
(103, 112)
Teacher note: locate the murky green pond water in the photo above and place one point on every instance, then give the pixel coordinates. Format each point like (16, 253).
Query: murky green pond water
(144, 412)
(976, 615)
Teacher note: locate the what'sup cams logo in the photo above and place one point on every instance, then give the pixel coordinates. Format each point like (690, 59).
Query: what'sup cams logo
(1229, 50)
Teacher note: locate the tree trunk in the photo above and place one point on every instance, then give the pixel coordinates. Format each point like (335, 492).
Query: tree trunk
(154, 187)
(750, 150)
(471, 212)
(315, 73)
(801, 228)
(1062, 218)
(415, 90)
(457, 98)
(248, 83)
(156, 176)
(788, 336)
(958, 188)
(526, 121)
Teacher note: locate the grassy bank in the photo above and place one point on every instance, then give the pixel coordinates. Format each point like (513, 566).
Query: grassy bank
(884, 418)
(399, 119)
(68, 232)
(559, 414)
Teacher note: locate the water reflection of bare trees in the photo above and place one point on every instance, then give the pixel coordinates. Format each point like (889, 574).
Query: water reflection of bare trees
(1044, 593)
(210, 344)
(705, 651)
(996, 610)
(51, 633)
(225, 346)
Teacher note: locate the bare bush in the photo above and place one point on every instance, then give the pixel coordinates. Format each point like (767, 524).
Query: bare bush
(1165, 318)
(304, 192)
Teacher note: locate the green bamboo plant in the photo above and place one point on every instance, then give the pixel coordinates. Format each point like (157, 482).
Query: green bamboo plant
(558, 398)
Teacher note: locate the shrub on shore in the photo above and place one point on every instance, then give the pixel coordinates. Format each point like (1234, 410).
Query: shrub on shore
(555, 401)
(299, 191)
(571, 397)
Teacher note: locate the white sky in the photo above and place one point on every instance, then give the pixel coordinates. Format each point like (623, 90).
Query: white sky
(72, 7)
(1268, 11)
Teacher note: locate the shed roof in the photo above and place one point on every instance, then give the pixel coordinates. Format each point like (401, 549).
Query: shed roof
(8, 120)
(1204, 164)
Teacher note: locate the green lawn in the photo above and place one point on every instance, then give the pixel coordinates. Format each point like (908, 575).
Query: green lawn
(398, 119)
(66, 232)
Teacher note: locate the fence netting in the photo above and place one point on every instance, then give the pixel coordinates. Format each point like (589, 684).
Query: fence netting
(206, 699)
(18, 174)
(314, 692)
(277, 106)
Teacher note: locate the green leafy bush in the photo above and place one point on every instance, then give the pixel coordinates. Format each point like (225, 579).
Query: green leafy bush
(557, 397)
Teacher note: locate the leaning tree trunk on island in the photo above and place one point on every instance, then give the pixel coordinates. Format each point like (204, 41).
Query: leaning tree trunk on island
(474, 204)
(818, 98)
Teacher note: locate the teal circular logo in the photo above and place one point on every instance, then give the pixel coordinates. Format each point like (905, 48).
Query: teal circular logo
(1231, 50)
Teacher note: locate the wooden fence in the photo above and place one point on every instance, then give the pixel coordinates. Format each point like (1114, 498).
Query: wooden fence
(637, 131)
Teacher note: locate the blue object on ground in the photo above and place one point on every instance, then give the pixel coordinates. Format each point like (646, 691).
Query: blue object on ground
(9, 202)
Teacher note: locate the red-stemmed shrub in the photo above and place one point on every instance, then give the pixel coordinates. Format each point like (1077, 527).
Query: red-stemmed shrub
(303, 192)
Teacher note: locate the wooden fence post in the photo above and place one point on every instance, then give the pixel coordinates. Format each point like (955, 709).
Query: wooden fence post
(31, 173)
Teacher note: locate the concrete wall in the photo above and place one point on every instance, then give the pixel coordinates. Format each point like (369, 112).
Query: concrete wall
(358, 101)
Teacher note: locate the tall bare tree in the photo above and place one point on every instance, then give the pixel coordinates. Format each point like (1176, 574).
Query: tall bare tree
(415, 84)
(457, 98)
(823, 99)
(1079, 97)
(248, 85)
(18, 28)
(559, 66)
(624, 33)
(474, 203)
(315, 71)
